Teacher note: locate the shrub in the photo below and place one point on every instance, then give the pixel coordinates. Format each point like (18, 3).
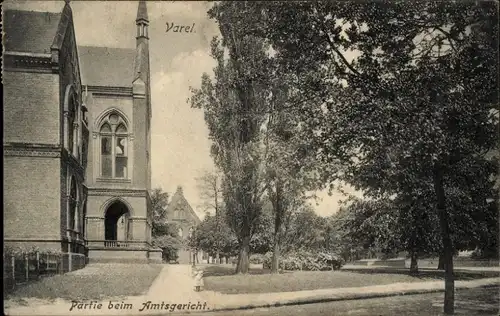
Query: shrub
(266, 261)
(306, 261)
(329, 260)
(257, 258)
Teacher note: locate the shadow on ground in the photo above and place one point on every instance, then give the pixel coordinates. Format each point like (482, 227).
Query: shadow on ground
(460, 275)
(214, 271)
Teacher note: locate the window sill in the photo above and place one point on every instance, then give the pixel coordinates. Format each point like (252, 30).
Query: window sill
(114, 180)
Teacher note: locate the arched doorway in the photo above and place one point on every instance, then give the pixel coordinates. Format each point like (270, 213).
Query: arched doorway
(116, 225)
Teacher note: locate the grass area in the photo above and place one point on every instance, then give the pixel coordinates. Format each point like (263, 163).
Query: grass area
(222, 279)
(96, 281)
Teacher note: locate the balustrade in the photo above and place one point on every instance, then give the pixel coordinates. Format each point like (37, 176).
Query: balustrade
(116, 243)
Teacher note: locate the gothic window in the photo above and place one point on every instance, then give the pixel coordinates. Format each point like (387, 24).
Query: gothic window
(84, 215)
(178, 214)
(114, 147)
(71, 125)
(73, 205)
(84, 149)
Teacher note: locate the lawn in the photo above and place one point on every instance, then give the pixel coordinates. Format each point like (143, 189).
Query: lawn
(96, 281)
(221, 279)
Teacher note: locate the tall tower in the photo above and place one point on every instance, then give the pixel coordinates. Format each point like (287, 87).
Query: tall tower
(142, 95)
(119, 176)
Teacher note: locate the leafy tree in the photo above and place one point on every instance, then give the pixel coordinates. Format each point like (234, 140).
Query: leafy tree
(168, 241)
(341, 239)
(164, 234)
(287, 176)
(366, 226)
(262, 239)
(211, 240)
(210, 187)
(159, 202)
(306, 231)
(233, 104)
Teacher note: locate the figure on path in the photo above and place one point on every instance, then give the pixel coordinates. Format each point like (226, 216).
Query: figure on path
(198, 280)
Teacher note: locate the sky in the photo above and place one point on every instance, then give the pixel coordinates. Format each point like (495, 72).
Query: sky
(180, 144)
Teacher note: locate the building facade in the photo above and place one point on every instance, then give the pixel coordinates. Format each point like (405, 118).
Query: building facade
(182, 214)
(76, 141)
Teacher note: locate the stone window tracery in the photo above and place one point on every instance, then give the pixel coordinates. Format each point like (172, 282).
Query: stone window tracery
(73, 141)
(114, 147)
(73, 124)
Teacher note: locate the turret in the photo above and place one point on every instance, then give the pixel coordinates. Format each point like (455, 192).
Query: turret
(142, 21)
(141, 89)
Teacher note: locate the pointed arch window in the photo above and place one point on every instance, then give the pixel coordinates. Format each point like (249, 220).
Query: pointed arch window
(73, 205)
(114, 147)
(71, 125)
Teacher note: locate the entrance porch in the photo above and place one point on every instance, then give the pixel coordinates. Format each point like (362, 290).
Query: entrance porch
(119, 237)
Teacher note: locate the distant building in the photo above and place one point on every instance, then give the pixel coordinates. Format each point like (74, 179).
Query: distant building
(180, 212)
(77, 139)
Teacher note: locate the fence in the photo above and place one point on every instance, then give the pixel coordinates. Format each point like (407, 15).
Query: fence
(28, 267)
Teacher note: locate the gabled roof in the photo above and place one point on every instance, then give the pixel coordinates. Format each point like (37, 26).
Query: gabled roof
(29, 31)
(105, 66)
(179, 202)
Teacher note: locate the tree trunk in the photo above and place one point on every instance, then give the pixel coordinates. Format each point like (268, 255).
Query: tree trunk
(441, 262)
(278, 218)
(449, 281)
(217, 229)
(414, 262)
(276, 256)
(244, 256)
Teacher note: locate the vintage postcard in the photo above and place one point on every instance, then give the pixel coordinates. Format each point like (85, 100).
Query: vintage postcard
(250, 158)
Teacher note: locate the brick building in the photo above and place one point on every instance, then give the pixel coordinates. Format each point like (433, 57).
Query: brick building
(180, 212)
(77, 141)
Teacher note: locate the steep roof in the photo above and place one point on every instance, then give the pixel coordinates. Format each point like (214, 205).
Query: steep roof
(179, 202)
(29, 31)
(105, 66)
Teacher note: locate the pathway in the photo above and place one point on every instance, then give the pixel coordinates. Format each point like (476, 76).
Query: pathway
(174, 285)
